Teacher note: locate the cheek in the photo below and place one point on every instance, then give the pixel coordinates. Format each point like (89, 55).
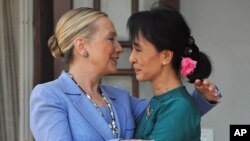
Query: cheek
(153, 64)
(150, 62)
(105, 52)
(150, 67)
(108, 51)
(153, 68)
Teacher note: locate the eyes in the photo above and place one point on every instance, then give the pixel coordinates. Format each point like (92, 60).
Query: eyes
(136, 47)
(112, 40)
(112, 37)
(137, 50)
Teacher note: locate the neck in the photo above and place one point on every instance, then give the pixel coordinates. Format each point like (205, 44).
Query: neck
(88, 81)
(165, 82)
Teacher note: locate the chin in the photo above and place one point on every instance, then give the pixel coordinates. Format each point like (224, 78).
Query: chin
(139, 78)
(110, 71)
(142, 78)
(113, 70)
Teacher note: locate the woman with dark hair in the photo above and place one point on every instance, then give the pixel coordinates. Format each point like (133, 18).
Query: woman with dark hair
(163, 52)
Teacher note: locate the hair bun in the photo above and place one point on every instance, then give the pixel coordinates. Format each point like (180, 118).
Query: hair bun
(54, 48)
(191, 50)
(191, 40)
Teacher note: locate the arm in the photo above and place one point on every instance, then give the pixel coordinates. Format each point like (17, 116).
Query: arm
(48, 118)
(138, 106)
(206, 95)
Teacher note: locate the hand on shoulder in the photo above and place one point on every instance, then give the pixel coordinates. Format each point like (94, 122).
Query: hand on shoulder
(208, 90)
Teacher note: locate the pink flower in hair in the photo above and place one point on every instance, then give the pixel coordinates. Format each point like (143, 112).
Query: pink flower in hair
(187, 66)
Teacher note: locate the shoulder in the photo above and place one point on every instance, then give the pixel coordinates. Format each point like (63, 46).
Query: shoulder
(48, 85)
(178, 109)
(181, 97)
(183, 103)
(48, 90)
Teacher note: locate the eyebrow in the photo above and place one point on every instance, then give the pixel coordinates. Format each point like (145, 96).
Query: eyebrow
(112, 33)
(136, 44)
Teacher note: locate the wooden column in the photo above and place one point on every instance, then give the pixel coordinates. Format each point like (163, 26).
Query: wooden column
(43, 29)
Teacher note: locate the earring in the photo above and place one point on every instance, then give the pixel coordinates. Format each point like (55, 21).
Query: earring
(164, 63)
(85, 54)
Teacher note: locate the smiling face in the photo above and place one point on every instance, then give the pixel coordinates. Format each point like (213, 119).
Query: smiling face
(103, 47)
(145, 59)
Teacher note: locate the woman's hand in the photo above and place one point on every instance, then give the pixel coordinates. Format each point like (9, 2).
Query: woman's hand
(208, 90)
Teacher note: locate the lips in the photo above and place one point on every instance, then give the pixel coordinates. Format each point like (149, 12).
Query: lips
(115, 59)
(136, 69)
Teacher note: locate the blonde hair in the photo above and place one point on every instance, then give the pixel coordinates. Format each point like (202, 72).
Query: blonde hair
(74, 23)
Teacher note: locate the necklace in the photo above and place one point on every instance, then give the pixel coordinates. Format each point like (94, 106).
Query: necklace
(112, 125)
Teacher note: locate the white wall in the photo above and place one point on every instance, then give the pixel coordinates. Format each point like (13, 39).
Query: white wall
(222, 29)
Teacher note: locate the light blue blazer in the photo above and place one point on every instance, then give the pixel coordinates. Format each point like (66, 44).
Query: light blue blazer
(59, 111)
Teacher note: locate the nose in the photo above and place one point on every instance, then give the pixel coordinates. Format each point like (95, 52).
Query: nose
(118, 47)
(132, 58)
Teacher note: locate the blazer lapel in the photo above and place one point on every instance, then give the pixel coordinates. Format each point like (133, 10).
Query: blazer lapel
(119, 112)
(119, 117)
(85, 107)
(89, 111)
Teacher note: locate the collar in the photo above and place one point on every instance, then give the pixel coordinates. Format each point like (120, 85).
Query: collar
(70, 87)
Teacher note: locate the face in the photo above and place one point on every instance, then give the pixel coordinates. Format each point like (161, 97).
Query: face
(145, 59)
(104, 49)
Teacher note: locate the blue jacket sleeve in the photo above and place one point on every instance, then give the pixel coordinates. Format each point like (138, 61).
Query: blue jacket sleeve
(203, 104)
(48, 119)
(138, 106)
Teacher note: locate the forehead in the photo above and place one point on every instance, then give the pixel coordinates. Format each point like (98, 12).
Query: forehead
(142, 42)
(104, 25)
(139, 38)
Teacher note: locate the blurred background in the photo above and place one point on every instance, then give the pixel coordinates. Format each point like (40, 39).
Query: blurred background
(221, 29)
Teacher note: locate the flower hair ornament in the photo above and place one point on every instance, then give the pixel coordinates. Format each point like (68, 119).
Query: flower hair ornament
(187, 66)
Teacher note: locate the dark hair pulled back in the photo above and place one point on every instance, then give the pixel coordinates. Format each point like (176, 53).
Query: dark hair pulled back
(166, 29)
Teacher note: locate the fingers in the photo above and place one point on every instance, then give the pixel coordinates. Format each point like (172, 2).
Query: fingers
(208, 90)
(197, 82)
(210, 86)
(207, 83)
(216, 96)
